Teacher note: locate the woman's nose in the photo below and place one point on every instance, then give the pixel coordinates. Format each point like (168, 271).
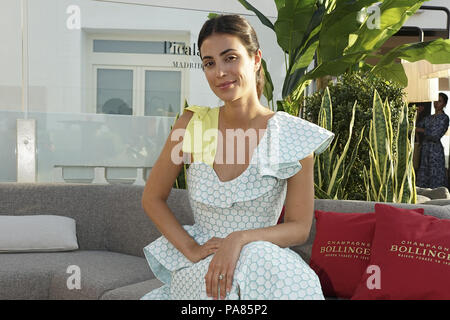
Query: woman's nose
(220, 71)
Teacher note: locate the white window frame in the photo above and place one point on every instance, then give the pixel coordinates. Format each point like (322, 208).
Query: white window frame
(135, 103)
(139, 63)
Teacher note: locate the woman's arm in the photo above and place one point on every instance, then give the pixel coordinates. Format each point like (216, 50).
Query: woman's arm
(157, 190)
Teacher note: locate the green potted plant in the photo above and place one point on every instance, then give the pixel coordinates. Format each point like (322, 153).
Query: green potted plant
(349, 88)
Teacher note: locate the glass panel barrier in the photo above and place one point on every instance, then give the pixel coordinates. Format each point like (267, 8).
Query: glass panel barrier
(79, 143)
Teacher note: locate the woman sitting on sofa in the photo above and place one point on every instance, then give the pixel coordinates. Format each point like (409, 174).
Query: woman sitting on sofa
(235, 249)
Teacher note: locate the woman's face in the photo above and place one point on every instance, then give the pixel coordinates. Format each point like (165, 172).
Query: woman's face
(439, 105)
(229, 69)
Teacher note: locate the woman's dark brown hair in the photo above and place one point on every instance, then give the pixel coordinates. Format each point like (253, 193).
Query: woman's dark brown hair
(238, 26)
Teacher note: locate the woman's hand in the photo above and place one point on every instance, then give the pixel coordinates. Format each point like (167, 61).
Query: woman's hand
(200, 252)
(223, 263)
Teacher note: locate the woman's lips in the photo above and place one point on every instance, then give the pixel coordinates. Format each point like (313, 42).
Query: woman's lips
(226, 85)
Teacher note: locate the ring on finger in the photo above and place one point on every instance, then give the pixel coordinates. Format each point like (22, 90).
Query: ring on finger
(221, 276)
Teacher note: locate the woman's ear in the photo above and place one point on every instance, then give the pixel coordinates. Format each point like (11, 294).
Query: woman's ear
(258, 59)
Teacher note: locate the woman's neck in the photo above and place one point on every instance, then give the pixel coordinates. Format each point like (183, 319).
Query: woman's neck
(240, 113)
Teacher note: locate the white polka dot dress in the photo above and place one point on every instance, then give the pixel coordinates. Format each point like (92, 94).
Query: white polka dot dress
(252, 200)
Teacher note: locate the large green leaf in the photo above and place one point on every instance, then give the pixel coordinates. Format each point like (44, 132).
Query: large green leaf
(268, 84)
(291, 81)
(296, 71)
(394, 72)
(337, 26)
(265, 21)
(303, 55)
(280, 4)
(435, 51)
(292, 22)
(336, 66)
(393, 14)
(311, 36)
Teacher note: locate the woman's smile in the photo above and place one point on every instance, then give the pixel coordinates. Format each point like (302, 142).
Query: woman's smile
(226, 85)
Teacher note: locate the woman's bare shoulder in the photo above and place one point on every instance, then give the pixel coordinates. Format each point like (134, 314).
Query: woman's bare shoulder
(168, 165)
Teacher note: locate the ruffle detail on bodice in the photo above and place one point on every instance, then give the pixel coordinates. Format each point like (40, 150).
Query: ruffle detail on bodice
(204, 186)
(287, 140)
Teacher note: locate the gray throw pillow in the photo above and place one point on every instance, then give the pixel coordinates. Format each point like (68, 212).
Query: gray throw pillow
(436, 193)
(37, 233)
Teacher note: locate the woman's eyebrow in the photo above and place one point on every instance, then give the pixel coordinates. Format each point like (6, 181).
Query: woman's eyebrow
(222, 53)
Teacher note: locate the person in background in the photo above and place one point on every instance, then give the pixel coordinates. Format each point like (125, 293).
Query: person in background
(423, 110)
(432, 172)
(421, 114)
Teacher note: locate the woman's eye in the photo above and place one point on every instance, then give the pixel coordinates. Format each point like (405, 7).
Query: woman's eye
(206, 64)
(232, 58)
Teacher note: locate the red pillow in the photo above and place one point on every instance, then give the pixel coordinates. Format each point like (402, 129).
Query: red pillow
(412, 254)
(341, 250)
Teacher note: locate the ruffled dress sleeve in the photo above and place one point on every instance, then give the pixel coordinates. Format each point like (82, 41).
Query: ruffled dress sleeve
(289, 140)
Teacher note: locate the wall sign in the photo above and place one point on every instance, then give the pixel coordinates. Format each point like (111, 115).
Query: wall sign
(179, 48)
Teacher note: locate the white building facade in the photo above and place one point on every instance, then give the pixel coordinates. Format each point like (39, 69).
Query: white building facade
(89, 89)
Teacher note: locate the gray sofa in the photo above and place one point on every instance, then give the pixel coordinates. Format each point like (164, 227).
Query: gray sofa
(112, 229)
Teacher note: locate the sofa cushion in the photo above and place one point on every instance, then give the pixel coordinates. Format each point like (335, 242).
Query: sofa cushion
(133, 291)
(100, 271)
(37, 233)
(341, 250)
(129, 228)
(422, 199)
(442, 212)
(45, 276)
(410, 257)
(30, 282)
(438, 202)
(88, 205)
(436, 193)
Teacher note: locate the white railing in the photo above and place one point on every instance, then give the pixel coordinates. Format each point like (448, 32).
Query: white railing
(100, 174)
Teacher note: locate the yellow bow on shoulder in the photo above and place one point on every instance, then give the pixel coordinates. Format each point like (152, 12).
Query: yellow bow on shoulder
(200, 137)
